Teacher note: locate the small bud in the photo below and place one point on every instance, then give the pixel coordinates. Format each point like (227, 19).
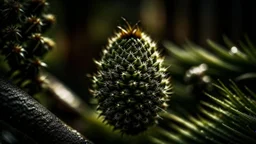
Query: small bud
(48, 21)
(32, 25)
(11, 12)
(11, 33)
(39, 45)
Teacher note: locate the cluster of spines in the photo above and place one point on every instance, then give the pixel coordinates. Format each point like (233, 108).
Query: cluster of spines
(23, 24)
(131, 85)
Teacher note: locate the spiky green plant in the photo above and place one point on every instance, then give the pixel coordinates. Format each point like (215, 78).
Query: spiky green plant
(131, 84)
(22, 41)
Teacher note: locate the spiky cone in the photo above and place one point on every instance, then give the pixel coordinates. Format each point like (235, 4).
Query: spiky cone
(131, 84)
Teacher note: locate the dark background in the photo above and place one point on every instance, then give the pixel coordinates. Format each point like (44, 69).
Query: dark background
(83, 28)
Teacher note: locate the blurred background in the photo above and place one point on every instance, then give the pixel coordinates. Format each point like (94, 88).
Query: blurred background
(83, 28)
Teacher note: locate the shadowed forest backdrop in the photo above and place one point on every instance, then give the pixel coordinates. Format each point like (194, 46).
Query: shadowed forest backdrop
(83, 28)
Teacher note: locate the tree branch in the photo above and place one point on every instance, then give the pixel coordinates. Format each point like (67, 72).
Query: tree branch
(24, 113)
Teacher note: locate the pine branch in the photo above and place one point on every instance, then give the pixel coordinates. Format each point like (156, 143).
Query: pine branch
(225, 116)
(228, 118)
(229, 61)
(194, 68)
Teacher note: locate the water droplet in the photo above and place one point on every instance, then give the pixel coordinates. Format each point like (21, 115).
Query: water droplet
(233, 50)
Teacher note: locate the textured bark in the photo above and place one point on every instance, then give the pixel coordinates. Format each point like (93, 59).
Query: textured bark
(24, 113)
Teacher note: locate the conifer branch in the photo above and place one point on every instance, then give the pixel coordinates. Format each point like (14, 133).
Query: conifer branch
(228, 118)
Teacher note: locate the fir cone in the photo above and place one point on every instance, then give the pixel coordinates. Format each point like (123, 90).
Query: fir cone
(131, 84)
